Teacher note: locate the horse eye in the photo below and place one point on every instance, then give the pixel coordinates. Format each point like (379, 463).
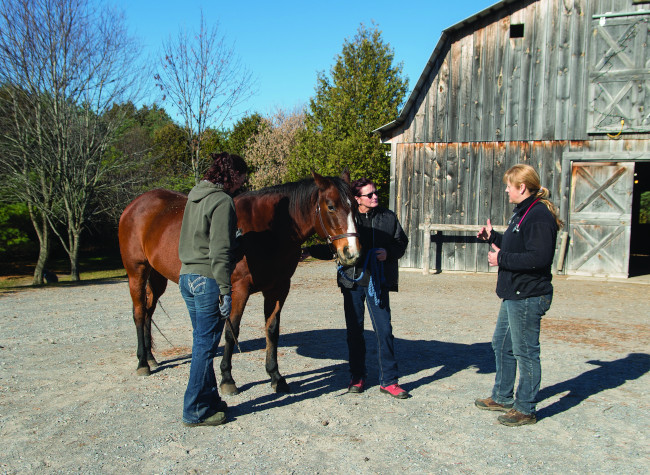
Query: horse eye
(330, 208)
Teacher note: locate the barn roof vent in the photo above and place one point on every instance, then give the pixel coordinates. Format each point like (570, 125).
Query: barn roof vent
(517, 30)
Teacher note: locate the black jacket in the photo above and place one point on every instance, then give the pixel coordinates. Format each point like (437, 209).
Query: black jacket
(377, 228)
(527, 251)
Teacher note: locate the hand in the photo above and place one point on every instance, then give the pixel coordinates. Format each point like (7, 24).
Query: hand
(225, 305)
(381, 254)
(493, 256)
(485, 232)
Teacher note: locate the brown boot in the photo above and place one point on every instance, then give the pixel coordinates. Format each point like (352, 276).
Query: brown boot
(516, 418)
(489, 405)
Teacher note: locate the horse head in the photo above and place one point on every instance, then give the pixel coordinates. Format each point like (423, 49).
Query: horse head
(335, 217)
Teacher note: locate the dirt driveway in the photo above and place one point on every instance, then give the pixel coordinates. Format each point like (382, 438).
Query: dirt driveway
(70, 401)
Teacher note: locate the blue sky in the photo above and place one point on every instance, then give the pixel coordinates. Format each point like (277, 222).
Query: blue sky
(286, 43)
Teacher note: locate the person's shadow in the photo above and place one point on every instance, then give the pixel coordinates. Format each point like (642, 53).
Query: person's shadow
(433, 360)
(607, 375)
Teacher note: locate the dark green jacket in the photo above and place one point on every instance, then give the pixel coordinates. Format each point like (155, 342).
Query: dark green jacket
(207, 240)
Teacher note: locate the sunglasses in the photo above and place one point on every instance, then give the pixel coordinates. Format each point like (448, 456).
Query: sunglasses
(369, 195)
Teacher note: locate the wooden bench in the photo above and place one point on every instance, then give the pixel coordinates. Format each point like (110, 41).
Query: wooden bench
(431, 228)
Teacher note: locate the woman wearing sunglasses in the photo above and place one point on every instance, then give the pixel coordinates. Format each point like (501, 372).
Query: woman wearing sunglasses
(383, 242)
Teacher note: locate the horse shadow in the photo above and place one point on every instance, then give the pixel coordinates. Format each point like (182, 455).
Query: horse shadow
(432, 360)
(173, 362)
(607, 375)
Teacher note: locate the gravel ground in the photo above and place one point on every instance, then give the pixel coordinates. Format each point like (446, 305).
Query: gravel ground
(70, 401)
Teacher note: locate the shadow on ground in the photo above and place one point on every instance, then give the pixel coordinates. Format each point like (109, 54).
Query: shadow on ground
(436, 359)
(607, 375)
(433, 360)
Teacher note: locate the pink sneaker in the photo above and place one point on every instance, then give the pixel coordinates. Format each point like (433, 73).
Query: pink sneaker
(395, 391)
(356, 385)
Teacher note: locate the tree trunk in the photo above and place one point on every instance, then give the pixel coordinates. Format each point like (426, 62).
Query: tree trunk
(196, 165)
(74, 257)
(43, 233)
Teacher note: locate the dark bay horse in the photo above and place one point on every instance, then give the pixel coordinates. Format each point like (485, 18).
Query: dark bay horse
(274, 222)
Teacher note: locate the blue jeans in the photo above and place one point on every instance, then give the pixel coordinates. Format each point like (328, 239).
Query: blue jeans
(353, 304)
(516, 344)
(201, 295)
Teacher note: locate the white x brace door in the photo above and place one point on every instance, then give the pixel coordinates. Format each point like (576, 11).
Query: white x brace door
(600, 218)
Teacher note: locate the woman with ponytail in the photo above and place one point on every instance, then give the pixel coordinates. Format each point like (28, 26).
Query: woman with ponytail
(524, 254)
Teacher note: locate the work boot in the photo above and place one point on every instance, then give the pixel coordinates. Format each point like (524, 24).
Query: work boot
(488, 404)
(516, 418)
(215, 419)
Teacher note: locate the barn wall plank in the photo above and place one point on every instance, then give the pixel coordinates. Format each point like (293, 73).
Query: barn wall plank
(476, 105)
(527, 79)
(501, 66)
(442, 92)
(562, 75)
(549, 79)
(536, 129)
(487, 93)
(513, 79)
(577, 77)
(465, 93)
(453, 125)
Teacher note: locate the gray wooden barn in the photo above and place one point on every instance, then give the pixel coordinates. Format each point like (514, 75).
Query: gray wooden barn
(563, 85)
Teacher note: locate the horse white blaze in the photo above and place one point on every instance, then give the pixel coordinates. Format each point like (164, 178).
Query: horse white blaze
(352, 243)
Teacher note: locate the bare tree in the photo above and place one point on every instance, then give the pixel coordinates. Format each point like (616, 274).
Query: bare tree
(63, 64)
(269, 151)
(205, 81)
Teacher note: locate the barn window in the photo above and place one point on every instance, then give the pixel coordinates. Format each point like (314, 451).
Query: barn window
(517, 30)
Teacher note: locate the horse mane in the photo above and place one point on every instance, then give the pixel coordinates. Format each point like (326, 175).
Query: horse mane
(301, 193)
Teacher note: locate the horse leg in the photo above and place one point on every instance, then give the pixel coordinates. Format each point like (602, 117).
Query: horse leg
(240, 297)
(273, 302)
(138, 276)
(156, 285)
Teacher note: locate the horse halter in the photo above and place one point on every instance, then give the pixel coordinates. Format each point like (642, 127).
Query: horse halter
(331, 239)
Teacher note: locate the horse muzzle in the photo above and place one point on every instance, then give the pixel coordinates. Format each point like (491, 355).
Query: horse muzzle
(348, 252)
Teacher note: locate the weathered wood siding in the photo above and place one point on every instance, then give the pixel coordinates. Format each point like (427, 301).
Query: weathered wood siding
(491, 101)
(486, 86)
(461, 183)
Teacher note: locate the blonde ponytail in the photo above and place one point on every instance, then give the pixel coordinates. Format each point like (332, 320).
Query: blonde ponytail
(542, 195)
(523, 173)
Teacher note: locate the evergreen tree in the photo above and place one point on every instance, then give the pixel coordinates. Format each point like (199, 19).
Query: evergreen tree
(242, 131)
(363, 92)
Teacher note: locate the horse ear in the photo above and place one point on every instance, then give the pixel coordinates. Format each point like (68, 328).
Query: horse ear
(321, 182)
(345, 175)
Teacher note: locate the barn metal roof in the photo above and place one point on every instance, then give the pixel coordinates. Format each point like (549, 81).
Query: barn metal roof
(446, 33)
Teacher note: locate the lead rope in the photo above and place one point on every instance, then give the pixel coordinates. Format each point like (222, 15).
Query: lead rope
(377, 277)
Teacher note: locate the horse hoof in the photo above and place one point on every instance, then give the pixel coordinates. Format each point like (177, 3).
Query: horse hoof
(153, 363)
(144, 371)
(281, 386)
(228, 389)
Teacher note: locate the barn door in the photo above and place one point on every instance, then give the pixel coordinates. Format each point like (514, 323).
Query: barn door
(619, 75)
(600, 218)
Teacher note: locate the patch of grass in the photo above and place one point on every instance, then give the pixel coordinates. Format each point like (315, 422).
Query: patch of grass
(91, 268)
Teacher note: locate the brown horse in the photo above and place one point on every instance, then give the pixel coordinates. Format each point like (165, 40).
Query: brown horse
(274, 223)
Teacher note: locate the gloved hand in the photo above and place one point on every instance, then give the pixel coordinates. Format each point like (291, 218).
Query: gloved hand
(225, 305)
